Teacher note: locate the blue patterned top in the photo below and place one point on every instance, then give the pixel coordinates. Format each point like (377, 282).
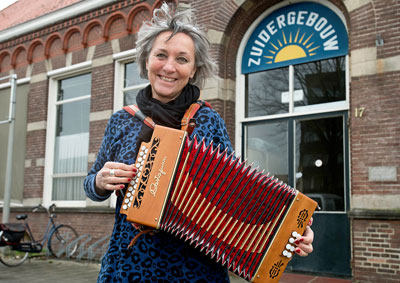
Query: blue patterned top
(160, 257)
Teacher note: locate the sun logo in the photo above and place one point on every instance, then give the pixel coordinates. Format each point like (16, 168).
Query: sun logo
(289, 48)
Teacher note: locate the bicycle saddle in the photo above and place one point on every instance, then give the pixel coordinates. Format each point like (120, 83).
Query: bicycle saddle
(21, 216)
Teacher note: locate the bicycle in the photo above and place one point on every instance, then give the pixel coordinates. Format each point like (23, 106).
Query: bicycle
(57, 237)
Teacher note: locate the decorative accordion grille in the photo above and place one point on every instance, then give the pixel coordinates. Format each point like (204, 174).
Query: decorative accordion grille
(226, 208)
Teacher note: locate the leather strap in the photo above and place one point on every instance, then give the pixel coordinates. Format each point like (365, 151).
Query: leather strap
(150, 231)
(188, 123)
(135, 111)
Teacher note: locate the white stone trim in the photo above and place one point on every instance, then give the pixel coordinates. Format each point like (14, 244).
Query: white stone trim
(103, 61)
(375, 201)
(35, 126)
(100, 115)
(352, 5)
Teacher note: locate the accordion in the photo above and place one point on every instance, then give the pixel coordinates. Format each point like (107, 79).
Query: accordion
(246, 220)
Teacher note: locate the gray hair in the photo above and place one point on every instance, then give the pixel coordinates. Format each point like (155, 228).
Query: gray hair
(165, 19)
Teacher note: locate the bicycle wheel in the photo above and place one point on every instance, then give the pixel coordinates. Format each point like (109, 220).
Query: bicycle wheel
(12, 257)
(60, 238)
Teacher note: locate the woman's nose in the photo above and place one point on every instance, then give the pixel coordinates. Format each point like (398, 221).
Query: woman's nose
(169, 65)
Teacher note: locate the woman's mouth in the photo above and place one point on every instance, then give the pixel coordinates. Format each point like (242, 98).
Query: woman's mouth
(166, 79)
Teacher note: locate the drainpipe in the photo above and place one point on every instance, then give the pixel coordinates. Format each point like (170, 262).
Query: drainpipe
(10, 148)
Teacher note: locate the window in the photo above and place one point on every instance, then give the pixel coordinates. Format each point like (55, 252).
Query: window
(127, 80)
(132, 83)
(67, 141)
(294, 126)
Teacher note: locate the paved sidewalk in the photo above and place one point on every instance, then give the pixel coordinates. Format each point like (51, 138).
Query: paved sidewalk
(63, 271)
(57, 271)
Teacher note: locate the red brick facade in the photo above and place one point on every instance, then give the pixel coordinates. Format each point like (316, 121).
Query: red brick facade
(373, 140)
(376, 251)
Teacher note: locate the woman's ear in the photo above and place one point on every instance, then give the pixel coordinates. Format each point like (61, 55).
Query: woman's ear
(193, 72)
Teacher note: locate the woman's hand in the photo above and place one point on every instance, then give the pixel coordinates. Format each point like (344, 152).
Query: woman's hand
(113, 177)
(304, 243)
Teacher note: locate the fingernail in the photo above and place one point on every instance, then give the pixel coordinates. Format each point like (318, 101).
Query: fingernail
(297, 242)
(122, 186)
(297, 251)
(301, 239)
(135, 169)
(134, 174)
(129, 180)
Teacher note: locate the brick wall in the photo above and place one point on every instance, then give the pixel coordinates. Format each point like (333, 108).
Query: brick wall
(376, 132)
(373, 137)
(376, 251)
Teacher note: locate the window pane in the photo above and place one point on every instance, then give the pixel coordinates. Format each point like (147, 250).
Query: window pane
(74, 87)
(319, 82)
(68, 189)
(132, 76)
(73, 117)
(319, 161)
(71, 143)
(130, 96)
(267, 146)
(267, 92)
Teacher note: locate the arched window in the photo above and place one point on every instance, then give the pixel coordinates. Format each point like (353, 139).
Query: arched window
(291, 112)
(292, 99)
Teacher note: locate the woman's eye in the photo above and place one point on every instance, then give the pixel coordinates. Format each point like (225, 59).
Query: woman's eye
(161, 55)
(182, 60)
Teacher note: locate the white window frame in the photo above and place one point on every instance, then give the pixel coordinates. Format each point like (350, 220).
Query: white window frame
(54, 76)
(121, 59)
(293, 112)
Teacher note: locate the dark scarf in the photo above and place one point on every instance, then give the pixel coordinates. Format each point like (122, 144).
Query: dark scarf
(166, 114)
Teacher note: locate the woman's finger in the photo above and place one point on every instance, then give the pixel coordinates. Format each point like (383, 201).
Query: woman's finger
(304, 243)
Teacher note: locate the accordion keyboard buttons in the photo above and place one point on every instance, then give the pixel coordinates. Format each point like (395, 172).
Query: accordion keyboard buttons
(134, 183)
(295, 234)
(289, 248)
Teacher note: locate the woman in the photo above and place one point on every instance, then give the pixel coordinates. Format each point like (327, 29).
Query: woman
(173, 56)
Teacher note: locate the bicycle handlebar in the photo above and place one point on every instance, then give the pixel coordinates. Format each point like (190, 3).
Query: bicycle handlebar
(51, 208)
(36, 208)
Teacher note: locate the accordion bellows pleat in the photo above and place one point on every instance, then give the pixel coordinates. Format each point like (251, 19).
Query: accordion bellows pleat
(234, 213)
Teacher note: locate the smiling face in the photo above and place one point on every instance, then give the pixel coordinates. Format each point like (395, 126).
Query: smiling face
(170, 65)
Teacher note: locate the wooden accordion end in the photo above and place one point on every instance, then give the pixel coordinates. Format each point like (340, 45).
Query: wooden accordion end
(244, 219)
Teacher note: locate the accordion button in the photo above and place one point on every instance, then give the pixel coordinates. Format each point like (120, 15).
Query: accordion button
(289, 255)
(295, 234)
(140, 159)
(129, 204)
(130, 189)
(141, 153)
(291, 240)
(284, 253)
(288, 246)
(125, 206)
(126, 200)
(146, 150)
(131, 198)
(128, 195)
(137, 165)
(143, 147)
(132, 182)
(135, 186)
